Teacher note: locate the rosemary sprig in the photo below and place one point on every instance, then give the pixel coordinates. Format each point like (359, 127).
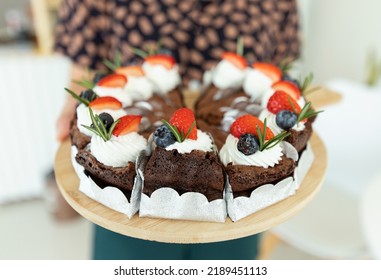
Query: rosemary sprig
(117, 63)
(307, 112)
(265, 145)
(180, 137)
(77, 97)
(285, 65)
(99, 128)
(89, 84)
(306, 83)
(139, 52)
(240, 46)
(86, 81)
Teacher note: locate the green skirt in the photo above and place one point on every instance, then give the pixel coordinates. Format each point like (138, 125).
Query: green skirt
(109, 245)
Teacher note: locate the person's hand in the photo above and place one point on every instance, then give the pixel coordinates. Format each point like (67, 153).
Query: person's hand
(63, 121)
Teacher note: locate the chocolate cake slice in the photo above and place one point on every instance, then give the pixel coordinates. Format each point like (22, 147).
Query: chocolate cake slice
(196, 171)
(120, 177)
(208, 106)
(244, 179)
(78, 139)
(299, 139)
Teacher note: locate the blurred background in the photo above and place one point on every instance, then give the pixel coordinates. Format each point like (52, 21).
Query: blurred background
(341, 46)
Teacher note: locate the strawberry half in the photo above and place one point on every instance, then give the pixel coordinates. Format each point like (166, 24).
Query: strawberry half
(236, 59)
(248, 124)
(270, 70)
(288, 87)
(127, 124)
(161, 59)
(113, 80)
(105, 102)
(280, 100)
(183, 119)
(132, 70)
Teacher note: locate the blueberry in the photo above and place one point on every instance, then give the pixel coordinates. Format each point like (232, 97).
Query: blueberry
(248, 144)
(98, 76)
(107, 120)
(163, 137)
(88, 94)
(165, 51)
(286, 119)
(291, 79)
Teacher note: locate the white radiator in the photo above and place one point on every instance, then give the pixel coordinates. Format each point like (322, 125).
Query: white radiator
(31, 97)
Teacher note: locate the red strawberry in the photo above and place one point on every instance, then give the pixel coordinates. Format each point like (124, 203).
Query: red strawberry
(248, 124)
(282, 101)
(161, 59)
(183, 119)
(288, 87)
(236, 59)
(113, 80)
(127, 124)
(270, 70)
(132, 70)
(105, 102)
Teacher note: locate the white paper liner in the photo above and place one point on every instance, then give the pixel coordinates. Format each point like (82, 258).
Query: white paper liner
(269, 194)
(167, 203)
(109, 196)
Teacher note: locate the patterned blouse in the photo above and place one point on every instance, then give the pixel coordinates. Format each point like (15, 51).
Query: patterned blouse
(197, 32)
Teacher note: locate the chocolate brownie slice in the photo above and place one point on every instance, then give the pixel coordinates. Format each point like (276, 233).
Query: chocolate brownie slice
(244, 179)
(299, 139)
(120, 177)
(196, 171)
(78, 139)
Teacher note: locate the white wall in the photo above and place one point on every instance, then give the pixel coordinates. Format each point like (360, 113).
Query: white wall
(338, 36)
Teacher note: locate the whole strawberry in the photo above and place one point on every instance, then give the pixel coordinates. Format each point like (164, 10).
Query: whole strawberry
(282, 101)
(183, 119)
(248, 124)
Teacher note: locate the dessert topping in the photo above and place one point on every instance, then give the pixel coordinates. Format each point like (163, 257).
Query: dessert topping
(105, 102)
(105, 126)
(184, 122)
(99, 76)
(248, 144)
(127, 124)
(288, 87)
(254, 135)
(113, 80)
(161, 59)
(280, 100)
(286, 119)
(163, 137)
(235, 59)
(272, 71)
(106, 119)
(131, 70)
(88, 94)
(307, 112)
(99, 125)
(249, 124)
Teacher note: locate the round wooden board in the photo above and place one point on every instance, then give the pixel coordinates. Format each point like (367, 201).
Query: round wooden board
(177, 231)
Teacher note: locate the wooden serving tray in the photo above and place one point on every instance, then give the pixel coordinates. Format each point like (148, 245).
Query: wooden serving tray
(178, 231)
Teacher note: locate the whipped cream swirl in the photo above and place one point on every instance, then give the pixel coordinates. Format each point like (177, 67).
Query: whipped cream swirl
(227, 75)
(203, 143)
(117, 151)
(256, 84)
(118, 93)
(139, 88)
(271, 122)
(83, 117)
(163, 79)
(266, 158)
